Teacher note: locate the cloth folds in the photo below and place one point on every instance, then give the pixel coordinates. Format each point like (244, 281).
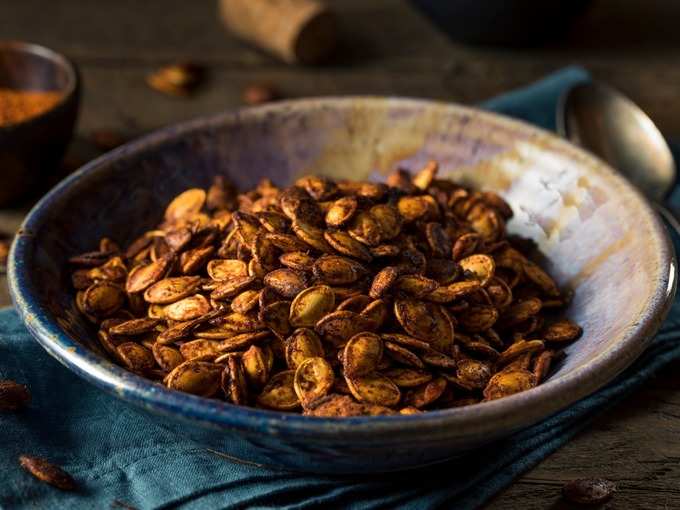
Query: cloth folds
(122, 458)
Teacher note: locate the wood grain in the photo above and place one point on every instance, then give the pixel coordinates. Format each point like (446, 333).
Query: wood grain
(388, 48)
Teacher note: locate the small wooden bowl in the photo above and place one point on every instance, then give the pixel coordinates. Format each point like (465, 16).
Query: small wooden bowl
(31, 150)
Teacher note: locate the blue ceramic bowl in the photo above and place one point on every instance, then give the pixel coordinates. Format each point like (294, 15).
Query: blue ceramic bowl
(588, 221)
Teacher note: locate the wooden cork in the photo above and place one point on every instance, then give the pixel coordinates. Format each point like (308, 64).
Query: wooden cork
(297, 31)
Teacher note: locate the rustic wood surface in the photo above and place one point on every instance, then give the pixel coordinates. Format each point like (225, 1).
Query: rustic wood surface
(387, 48)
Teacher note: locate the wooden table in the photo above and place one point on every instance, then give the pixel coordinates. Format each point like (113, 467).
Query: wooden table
(388, 48)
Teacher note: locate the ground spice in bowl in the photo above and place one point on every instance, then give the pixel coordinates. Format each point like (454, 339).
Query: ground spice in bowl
(19, 105)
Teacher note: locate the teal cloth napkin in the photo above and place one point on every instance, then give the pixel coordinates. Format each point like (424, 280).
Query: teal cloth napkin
(122, 458)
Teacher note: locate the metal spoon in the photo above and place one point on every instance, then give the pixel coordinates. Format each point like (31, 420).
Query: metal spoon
(607, 123)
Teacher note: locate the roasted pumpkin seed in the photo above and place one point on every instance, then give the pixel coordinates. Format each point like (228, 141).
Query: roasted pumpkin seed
(336, 270)
(562, 331)
(188, 308)
(103, 299)
(302, 344)
(313, 380)
(257, 365)
(170, 290)
(362, 354)
(509, 382)
(13, 396)
(234, 382)
(374, 388)
(310, 305)
(279, 393)
(329, 296)
(47, 472)
(341, 211)
(196, 377)
(286, 282)
(205, 350)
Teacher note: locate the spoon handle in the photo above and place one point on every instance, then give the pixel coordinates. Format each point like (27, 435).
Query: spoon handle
(672, 217)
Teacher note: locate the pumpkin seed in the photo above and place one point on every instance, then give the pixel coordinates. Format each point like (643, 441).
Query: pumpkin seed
(279, 393)
(185, 205)
(562, 331)
(425, 394)
(192, 261)
(426, 175)
(362, 354)
(343, 243)
(234, 382)
(272, 221)
(136, 358)
(103, 299)
(336, 270)
(286, 282)
(201, 378)
(508, 383)
(188, 308)
(402, 355)
(365, 229)
(257, 365)
(416, 285)
(453, 291)
(475, 374)
(170, 290)
(341, 211)
(245, 301)
(221, 269)
(421, 207)
(335, 406)
(167, 357)
(589, 491)
(518, 348)
(310, 305)
(205, 350)
(338, 327)
(297, 261)
(330, 296)
(355, 303)
(374, 388)
(438, 239)
(47, 472)
(478, 318)
(521, 311)
(478, 267)
(407, 377)
(376, 312)
(542, 365)
(275, 317)
(383, 281)
(133, 327)
(13, 396)
(302, 344)
(313, 380)
(424, 320)
(541, 279)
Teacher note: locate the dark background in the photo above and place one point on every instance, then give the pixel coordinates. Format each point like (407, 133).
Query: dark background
(388, 48)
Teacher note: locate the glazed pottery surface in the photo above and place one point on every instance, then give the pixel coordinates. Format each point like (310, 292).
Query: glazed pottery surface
(598, 235)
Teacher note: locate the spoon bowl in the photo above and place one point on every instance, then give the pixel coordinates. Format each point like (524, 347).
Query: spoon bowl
(610, 125)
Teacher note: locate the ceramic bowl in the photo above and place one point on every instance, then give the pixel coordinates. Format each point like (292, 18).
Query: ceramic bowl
(31, 151)
(599, 236)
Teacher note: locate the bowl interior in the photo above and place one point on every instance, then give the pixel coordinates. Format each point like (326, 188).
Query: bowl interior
(588, 222)
(27, 66)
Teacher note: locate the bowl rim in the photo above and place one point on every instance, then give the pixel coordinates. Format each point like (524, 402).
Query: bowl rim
(57, 59)
(513, 412)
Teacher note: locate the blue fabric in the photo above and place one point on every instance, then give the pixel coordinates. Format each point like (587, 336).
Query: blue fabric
(120, 457)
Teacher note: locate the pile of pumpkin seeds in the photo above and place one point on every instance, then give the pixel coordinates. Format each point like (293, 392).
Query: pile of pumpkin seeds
(331, 298)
